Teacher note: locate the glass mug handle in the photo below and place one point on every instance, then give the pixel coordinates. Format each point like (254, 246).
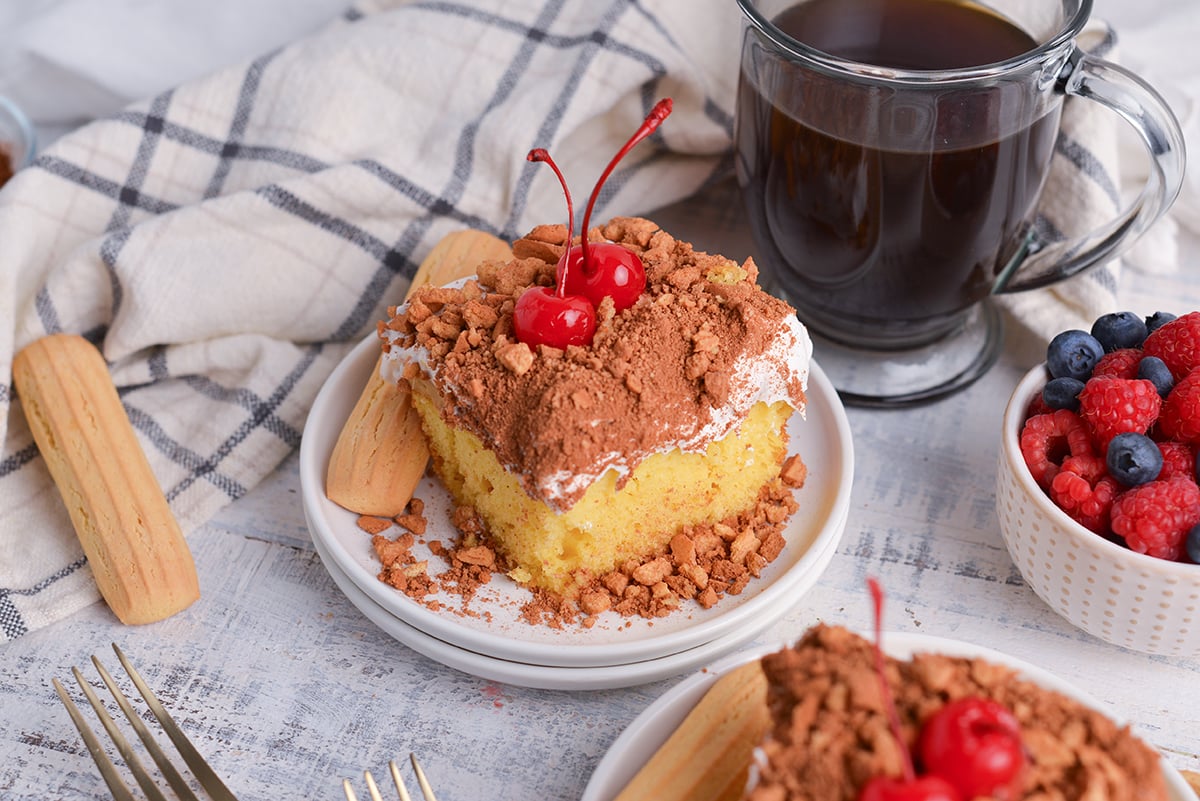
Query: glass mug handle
(1043, 263)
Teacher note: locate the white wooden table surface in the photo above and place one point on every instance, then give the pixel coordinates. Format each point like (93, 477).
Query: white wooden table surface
(287, 688)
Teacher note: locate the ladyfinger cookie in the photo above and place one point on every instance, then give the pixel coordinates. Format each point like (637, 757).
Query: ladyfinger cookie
(381, 454)
(707, 758)
(137, 553)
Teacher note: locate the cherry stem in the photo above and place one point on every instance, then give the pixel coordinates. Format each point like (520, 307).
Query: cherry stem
(654, 119)
(540, 154)
(889, 703)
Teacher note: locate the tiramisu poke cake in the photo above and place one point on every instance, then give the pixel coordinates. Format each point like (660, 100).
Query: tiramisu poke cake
(592, 399)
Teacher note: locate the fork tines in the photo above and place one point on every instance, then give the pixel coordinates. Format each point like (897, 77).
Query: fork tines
(401, 790)
(204, 775)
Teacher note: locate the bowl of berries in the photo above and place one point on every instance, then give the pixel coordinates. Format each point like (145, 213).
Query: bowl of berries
(1097, 490)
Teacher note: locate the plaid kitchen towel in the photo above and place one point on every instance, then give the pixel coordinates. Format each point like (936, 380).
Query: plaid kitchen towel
(226, 242)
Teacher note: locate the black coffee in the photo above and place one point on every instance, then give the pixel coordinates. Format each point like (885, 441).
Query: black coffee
(876, 209)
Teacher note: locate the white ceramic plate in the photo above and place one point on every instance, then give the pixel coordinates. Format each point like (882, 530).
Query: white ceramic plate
(493, 626)
(541, 677)
(649, 730)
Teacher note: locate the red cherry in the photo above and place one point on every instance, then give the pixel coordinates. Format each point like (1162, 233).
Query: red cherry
(605, 269)
(543, 316)
(921, 788)
(654, 119)
(554, 317)
(975, 744)
(609, 269)
(615, 272)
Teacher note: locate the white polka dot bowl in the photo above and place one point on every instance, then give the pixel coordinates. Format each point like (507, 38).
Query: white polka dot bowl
(1123, 597)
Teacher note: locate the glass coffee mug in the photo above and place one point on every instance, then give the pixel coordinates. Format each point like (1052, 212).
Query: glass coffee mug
(892, 155)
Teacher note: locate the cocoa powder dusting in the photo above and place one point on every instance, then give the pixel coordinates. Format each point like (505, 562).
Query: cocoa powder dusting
(652, 376)
(824, 691)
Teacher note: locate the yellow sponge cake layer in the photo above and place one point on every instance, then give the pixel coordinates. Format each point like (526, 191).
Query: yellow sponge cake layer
(609, 524)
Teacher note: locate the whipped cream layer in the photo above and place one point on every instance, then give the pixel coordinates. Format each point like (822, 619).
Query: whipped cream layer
(677, 370)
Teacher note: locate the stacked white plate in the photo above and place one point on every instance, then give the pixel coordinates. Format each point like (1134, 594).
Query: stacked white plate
(488, 638)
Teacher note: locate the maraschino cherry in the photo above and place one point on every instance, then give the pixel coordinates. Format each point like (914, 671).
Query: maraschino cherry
(909, 786)
(605, 269)
(587, 273)
(975, 744)
(970, 748)
(616, 272)
(542, 316)
(545, 316)
(904, 788)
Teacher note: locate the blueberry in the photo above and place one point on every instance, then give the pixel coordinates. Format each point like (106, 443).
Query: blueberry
(1062, 393)
(1119, 330)
(1073, 354)
(1158, 320)
(1192, 544)
(1154, 370)
(1133, 459)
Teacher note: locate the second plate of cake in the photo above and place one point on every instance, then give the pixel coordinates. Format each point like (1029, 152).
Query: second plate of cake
(647, 733)
(495, 621)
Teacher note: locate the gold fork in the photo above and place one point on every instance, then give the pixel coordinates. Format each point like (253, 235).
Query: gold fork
(205, 776)
(401, 790)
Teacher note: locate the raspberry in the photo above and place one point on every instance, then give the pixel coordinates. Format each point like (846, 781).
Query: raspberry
(1177, 343)
(1180, 417)
(1112, 406)
(1038, 406)
(1047, 439)
(1089, 466)
(1121, 363)
(1087, 504)
(1179, 461)
(1155, 518)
